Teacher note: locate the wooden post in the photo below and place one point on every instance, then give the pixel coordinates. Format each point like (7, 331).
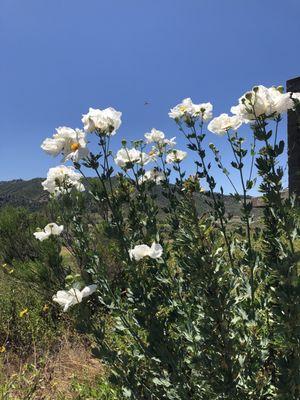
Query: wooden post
(293, 85)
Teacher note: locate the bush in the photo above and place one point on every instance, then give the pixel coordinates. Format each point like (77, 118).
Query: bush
(30, 271)
(202, 308)
(16, 235)
(36, 264)
(28, 321)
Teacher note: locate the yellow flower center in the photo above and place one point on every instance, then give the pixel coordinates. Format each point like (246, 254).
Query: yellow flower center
(75, 146)
(182, 108)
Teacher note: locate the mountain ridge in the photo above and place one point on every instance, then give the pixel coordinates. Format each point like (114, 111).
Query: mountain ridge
(30, 194)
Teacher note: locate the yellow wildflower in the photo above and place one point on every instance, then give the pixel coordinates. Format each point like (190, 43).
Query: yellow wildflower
(23, 312)
(45, 308)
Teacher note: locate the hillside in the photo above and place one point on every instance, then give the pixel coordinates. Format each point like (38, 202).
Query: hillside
(19, 192)
(30, 194)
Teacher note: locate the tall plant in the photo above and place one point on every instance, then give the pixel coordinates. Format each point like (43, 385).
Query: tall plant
(201, 307)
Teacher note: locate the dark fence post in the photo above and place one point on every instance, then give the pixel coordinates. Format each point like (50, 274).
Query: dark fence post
(293, 85)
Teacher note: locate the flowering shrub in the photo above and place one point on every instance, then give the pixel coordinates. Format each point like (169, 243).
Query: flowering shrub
(199, 308)
(35, 263)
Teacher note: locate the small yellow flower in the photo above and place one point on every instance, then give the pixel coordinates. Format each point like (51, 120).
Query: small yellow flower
(2, 349)
(45, 308)
(6, 267)
(23, 312)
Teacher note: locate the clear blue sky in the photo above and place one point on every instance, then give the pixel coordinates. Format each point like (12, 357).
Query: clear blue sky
(60, 57)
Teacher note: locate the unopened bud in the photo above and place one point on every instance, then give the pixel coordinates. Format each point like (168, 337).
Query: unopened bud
(280, 89)
(249, 95)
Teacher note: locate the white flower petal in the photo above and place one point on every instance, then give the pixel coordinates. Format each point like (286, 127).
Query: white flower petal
(88, 290)
(41, 235)
(156, 250)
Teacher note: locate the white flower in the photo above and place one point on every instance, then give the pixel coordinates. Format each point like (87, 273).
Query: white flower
(183, 108)
(155, 136)
(105, 121)
(176, 156)
(70, 142)
(223, 123)
(282, 102)
(152, 175)
(67, 298)
(187, 109)
(296, 96)
(161, 147)
(142, 250)
(262, 101)
(158, 137)
(73, 296)
(50, 229)
(61, 180)
(139, 251)
(204, 110)
(170, 142)
(125, 156)
(155, 151)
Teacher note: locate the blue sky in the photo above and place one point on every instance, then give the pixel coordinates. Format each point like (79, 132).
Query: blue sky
(60, 57)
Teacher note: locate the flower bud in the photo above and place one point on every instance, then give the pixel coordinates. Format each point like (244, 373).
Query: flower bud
(280, 89)
(248, 96)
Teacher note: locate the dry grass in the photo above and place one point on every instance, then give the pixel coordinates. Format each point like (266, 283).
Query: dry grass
(50, 376)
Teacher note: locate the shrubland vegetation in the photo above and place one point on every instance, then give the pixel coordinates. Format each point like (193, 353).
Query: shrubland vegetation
(160, 301)
(43, 354)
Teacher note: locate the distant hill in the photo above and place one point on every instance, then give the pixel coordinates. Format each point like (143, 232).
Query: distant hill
(30, 194)
(18, 192)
